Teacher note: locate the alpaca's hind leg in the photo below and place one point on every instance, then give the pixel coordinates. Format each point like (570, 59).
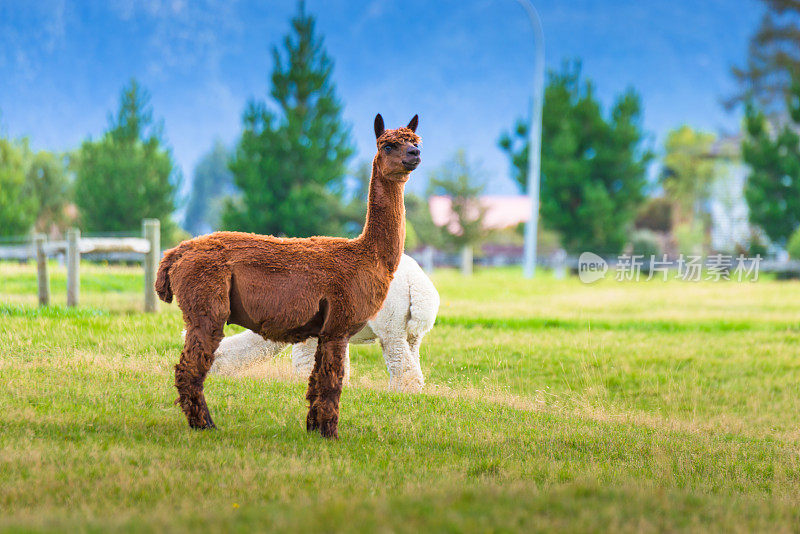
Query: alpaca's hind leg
(403, 364)
(312, 393)
(327, 378)
(417, 378)
(190, 373)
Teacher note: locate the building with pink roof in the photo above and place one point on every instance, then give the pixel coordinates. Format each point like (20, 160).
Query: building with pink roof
(501, 211)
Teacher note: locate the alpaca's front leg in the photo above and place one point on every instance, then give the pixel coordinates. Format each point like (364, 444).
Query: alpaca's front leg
(326, 382)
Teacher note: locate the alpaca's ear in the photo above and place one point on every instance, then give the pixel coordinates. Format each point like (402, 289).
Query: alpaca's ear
(413, 124)
(379, 129)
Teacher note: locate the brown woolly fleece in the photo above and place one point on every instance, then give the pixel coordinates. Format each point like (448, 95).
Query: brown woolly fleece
(290, 289)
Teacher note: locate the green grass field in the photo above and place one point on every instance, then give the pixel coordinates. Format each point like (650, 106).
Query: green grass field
(551, 405)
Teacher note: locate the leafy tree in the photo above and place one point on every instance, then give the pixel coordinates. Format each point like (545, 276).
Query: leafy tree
(412, 240)
(128, 174)
(459, 180)
(418, 214)
(517, 146)
(773, 60)
(212, 182)
(17, 201)
(593, 168)
(656, 215)
(687, 172)
(47, 178)
(290, 164)
(793, 246)
(773, 155)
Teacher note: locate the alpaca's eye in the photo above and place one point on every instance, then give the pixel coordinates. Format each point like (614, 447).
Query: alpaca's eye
(388, 148)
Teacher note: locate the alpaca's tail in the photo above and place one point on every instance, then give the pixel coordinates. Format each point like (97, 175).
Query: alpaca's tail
(163, 287)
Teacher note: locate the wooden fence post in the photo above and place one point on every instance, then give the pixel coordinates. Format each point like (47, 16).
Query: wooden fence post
(41, 270)
(151, 228)
(73, 266)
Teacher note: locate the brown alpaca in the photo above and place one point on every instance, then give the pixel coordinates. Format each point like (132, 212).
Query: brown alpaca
(290, 289)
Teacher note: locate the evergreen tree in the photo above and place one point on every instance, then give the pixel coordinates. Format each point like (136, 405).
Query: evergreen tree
(773, 60)
(290, 165)
(17, 199)
(127, 175)
(593, 168)
(773, 155)
(212, 182)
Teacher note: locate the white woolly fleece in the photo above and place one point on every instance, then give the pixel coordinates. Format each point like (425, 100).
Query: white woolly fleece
(408, 313)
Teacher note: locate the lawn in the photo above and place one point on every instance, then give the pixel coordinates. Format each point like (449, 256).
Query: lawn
(550, 404)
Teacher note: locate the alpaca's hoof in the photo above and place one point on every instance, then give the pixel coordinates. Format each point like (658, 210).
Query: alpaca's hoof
(407, 383)
(208, 424)
(311, 421)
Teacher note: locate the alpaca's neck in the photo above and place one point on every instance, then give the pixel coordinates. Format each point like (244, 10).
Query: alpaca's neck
(385, 229)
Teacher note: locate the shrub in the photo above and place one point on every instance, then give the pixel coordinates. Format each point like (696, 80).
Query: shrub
(655, 215)
(793, 246)
(645, 243)
(691, 238)
(412, 241)
(759, 243)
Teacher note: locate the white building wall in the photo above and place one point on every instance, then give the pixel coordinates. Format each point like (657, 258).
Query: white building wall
(730, 223)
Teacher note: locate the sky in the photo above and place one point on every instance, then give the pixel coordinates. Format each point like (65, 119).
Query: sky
(465, 66)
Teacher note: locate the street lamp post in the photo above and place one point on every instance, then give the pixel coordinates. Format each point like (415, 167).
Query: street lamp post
(535, 130)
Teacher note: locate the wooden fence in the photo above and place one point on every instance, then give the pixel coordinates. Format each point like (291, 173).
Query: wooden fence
(149, 245)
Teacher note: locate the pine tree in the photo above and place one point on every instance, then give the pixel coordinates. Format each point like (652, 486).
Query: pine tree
(773, 155)
(773, 60)
(290, 165)
(593, 168)
(127, 175)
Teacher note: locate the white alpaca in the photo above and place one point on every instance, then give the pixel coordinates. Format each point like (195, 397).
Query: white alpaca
(408, 313)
